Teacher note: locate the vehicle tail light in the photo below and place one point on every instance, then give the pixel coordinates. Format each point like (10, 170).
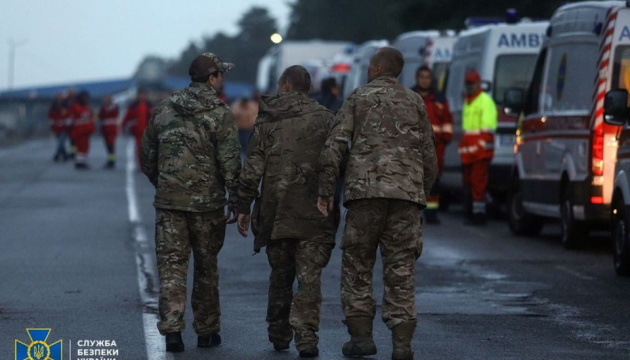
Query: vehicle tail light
(597, 165)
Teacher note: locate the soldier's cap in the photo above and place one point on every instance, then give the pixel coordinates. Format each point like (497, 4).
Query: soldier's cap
(472, 77)
(206, 64)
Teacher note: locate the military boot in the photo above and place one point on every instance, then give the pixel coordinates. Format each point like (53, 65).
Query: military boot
(401, 339)
(361, 343)
(174, 342)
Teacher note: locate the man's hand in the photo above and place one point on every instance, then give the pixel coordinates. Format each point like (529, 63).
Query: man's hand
(325, 205)
(230, 216)
(243, 224)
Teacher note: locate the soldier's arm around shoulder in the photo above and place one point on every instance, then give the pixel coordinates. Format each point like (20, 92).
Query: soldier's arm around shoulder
(336, 146)
(427, 148)
(229, 155)
(253, 170)
(149, 150)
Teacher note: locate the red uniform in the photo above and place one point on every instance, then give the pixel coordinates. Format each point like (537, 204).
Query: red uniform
(138, 117)
(442, 122)
(82, 128)
(108, 116)
(58, 119)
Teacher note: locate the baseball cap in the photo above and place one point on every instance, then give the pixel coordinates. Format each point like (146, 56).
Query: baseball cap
(206, 64)
(472, 76)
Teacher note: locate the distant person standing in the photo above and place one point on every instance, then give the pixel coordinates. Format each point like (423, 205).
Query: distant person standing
(284, 153)
(190, 153)
(108, 117)
(329, 95)
(244, 111)
(68, 102)
(442, 122)
(58, 117)
(82, 119)
(137, 117)
(390, 170)
(476, 149)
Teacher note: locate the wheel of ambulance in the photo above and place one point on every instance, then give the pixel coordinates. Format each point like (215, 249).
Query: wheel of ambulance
(621, 238)
(521, 222)
(572, 231)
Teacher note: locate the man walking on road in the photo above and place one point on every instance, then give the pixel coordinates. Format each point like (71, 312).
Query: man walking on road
(476, 149)
(191, 154)
(391, 168)
(284, 151)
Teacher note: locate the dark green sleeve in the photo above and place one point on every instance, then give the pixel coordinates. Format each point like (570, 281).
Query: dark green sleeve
(229, 156)
(149, 152)
(252, 171)
(336, 147)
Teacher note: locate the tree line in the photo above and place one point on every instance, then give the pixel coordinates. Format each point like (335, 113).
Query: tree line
(350, 20)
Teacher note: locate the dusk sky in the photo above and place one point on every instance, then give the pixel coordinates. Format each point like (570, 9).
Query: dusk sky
(58, 42)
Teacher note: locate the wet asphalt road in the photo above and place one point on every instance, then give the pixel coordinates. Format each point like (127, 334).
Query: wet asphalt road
(69, 262)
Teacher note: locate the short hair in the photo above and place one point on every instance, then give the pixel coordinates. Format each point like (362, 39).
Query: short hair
(298, 77)
(423, 68)
(390, 59)
(328, 84)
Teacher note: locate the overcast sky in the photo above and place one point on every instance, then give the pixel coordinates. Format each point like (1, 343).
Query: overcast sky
(61, 41)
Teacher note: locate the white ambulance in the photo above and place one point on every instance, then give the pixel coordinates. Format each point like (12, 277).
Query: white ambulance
(357, 76)
(287, 53)
(565, 154)
(504, 55)
(413, 45)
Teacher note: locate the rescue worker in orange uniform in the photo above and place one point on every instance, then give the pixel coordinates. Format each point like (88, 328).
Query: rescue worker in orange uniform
(476, 149)
(442, 122)
(82, 119)
(137, 117)
(108, 117)
(58, 116)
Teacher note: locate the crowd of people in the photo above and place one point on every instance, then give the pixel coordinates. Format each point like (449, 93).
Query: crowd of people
(384, 142)
(73, 122)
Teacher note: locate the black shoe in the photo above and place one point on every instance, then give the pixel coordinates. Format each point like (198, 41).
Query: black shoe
(309, 353)
(81, 166)
(174, 342)
(110, 165)
(280, 347)
(209, 340)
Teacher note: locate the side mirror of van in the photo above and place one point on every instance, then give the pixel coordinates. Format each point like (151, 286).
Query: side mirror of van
(616, 107)
(485, 86)
(513, 98)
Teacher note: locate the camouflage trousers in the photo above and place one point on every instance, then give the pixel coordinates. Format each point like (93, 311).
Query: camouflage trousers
(288, 313)
(394, 226)
(176, 233)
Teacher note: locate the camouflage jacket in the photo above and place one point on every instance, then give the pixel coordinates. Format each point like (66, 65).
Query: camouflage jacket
(392, 153)
(190, 151)
(284, 151)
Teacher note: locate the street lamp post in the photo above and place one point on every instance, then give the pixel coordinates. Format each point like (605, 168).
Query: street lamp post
(12, 46)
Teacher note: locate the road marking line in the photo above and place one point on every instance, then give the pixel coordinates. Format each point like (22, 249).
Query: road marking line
(144, 260)
(575, 273)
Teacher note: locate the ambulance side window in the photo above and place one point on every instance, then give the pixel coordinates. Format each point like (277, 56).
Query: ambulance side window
(621, 69)
(569, 83)
(532, 98)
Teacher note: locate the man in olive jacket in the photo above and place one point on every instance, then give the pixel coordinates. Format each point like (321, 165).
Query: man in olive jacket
(284, 151)
(191, 154)
(390, 170)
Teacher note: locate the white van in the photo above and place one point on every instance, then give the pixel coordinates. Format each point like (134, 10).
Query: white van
(357, 76)
(413, 46)
(437, 56)
(504, 55)
(288, 53)
(565, 153)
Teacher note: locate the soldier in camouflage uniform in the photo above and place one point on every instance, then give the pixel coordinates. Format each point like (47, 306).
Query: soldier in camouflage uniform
(284, 152)
(391, 168)
(191, 154)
